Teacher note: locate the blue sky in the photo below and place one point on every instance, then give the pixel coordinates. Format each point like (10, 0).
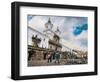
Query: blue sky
(79, 29)
(29, 17)
(73, 29)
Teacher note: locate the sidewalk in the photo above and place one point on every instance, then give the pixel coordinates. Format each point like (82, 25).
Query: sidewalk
(45, 62)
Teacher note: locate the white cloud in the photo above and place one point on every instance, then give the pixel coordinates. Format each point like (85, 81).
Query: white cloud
(37, 22)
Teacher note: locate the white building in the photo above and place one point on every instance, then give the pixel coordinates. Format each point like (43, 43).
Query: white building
(49, 38)
(44, 39)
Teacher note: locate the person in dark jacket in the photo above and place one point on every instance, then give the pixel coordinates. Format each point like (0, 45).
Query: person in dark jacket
(57, 57)
(49, 57)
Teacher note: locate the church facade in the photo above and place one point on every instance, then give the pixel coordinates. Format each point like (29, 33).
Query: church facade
(49, 39)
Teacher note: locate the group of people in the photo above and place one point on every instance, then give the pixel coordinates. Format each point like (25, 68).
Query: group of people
(54, 57)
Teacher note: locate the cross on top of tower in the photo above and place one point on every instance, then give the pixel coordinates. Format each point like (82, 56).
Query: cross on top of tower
(49, 21)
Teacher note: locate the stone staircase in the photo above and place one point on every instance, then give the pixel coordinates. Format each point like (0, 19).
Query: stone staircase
(45, 62)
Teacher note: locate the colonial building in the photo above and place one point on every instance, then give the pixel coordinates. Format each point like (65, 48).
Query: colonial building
(49, 38)
(54, 36)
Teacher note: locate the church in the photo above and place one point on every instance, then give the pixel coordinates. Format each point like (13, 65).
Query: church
(42, 43)
(48, 39)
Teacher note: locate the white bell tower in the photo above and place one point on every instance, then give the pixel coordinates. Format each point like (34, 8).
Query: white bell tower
(57, 32)
(48, 31)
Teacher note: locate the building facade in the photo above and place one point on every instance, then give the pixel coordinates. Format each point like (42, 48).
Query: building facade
(48, 39)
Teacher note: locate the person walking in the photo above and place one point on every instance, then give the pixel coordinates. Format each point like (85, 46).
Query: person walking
(49, 57)
(57, 57)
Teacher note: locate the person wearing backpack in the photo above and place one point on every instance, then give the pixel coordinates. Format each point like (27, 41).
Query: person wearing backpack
(57, 57)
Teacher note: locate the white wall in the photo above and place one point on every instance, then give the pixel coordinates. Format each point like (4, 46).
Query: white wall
(5, 41)
(43, 43)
